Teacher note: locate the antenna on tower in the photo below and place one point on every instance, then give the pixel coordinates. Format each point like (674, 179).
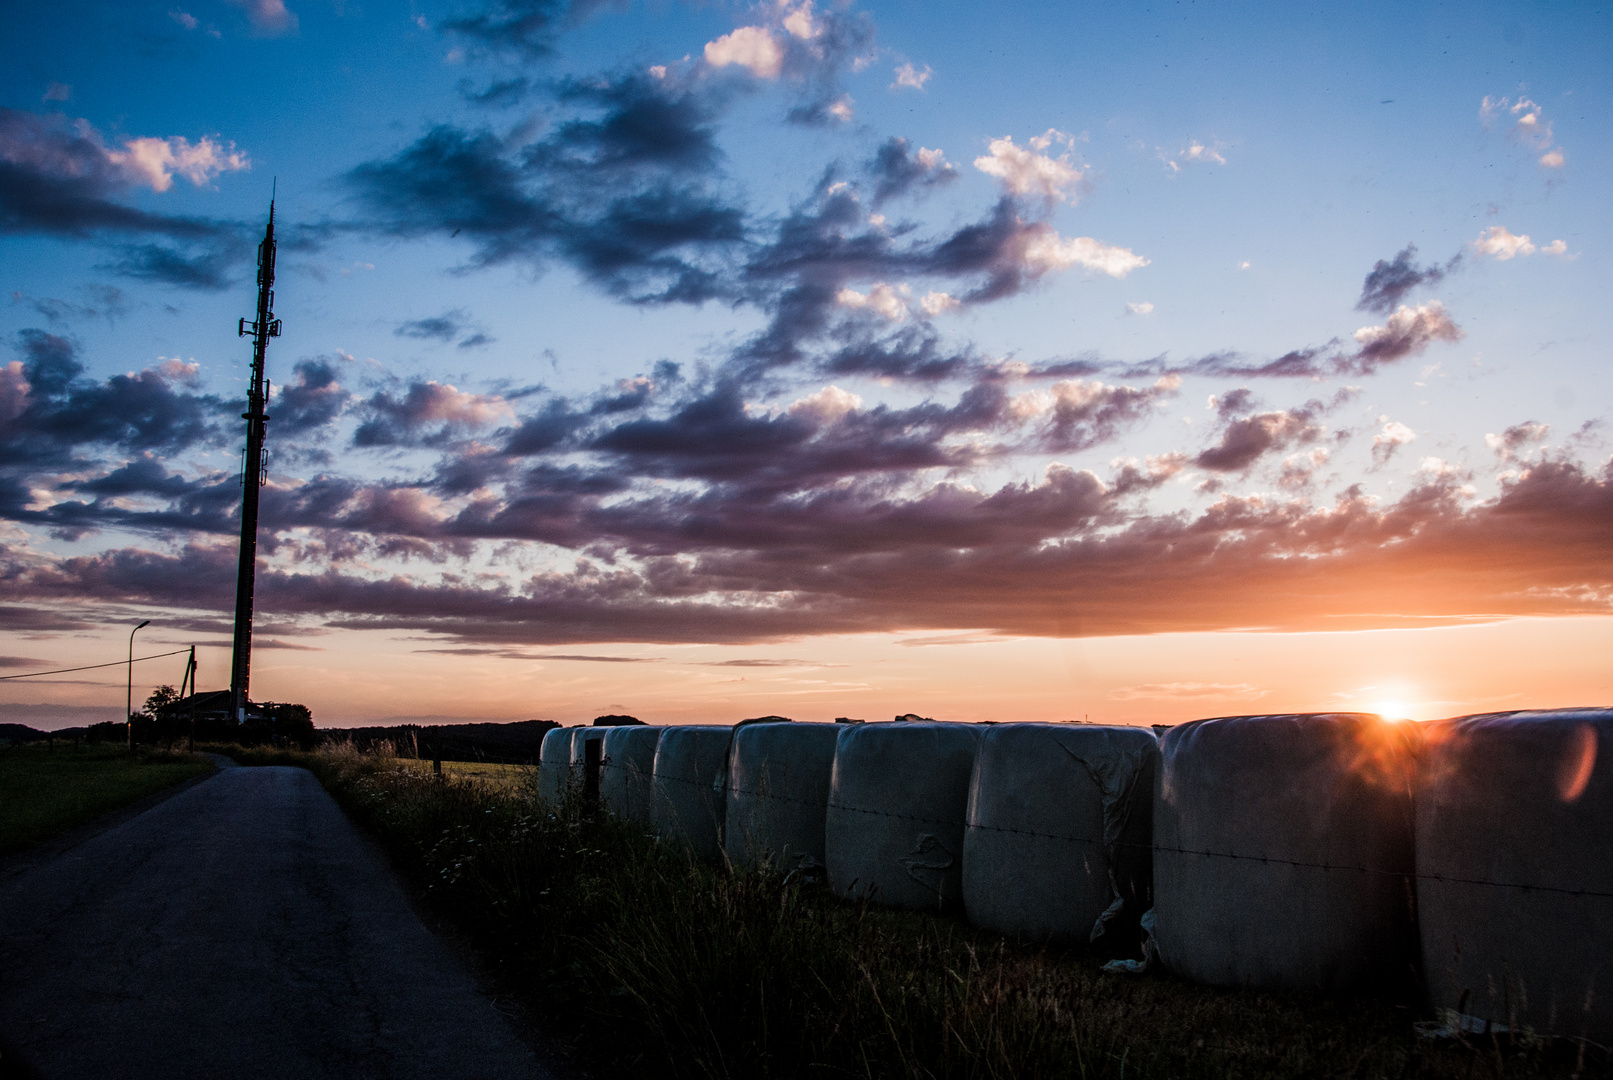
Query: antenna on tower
(253, 467)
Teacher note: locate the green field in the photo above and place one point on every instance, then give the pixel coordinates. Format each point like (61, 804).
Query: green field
(485, 771)
(44, 792)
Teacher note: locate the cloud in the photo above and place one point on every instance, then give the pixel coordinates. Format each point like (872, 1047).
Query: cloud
(1508, 444)
(1408, 332)
(59, 427)
(768, 663)
(1057, 557)
(1497, 241)
(206, 267)
(58, 92)
(937, 303)
(828, 406)
(627, 192)
(101, 301)
(1233, 403)
(1028, 171)
(444, 327)
(270, 18)
(1529, 126)
(1390, 282)
(1186, 690)
(313, 399)
(1245, 441)
(402, 420)
(1140, 308)
(59, 178)
(1082, 413)
(524, 28)
(750, 47)
(1045, 250)
(153, 162)
(909, 76)
(896, 170)
(1392, 437)
(183, 18)
(1529, 122)
(885, 300)
(1194, 153)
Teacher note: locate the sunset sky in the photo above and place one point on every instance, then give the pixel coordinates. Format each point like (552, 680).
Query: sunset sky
(706, 361)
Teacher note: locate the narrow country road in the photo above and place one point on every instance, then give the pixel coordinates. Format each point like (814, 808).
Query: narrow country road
(241, 928)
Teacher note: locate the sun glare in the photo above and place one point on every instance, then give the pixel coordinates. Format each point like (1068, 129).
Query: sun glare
(1391, 710)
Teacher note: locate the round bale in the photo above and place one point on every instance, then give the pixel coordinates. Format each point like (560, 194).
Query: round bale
(686, 790)
(897, 806)
(778, 789)
(1059, 845)
(1283, 851)
(554, 764)
(1515, 870)
(628, 770)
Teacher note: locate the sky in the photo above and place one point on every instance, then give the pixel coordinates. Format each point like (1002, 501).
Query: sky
(1123, 363)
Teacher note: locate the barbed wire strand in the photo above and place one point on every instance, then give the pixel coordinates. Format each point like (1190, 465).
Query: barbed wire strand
(1173, 850)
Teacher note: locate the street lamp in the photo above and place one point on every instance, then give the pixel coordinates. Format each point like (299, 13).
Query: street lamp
(128, 692)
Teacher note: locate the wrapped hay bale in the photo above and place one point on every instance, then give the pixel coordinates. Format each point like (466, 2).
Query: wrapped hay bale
(686, 789)
(627, 771)
(1059, 845)
(778, 789)
(897, 808)
(1515, 871)
(1283, 851)
(554, 764)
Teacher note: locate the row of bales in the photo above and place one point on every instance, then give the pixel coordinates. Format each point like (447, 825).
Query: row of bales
(1331, 851)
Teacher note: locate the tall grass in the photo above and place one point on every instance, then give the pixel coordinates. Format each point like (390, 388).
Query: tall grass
(664, 967)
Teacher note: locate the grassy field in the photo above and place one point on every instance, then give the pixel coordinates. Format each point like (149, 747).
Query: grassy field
(516, 777)
(44, 792)
(662, 967)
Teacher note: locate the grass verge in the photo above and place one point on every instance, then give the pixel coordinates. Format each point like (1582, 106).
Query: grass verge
(45, 792)
(666, 968)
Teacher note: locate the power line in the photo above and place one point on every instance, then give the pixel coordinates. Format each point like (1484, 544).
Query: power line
(92, 667)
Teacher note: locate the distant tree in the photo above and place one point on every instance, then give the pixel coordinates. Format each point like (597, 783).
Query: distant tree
(280, 723)
(163, 695)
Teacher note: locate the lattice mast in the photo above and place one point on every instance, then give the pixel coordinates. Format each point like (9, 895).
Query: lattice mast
(254, 465)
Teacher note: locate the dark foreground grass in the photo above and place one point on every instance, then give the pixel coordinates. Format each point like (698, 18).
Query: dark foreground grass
(45, 791)
(660, 967)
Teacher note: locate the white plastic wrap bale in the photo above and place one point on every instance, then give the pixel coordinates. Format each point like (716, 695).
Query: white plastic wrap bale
(778, 790)
(1515, 870)
(687, 788)
(1059, 845)
(554, 764)
(897, 809)
(627, 771)
(1283, 851)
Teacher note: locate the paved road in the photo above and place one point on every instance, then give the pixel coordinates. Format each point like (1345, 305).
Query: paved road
(241, 928)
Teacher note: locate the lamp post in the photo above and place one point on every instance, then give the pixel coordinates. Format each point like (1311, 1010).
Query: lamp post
(128, 692)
